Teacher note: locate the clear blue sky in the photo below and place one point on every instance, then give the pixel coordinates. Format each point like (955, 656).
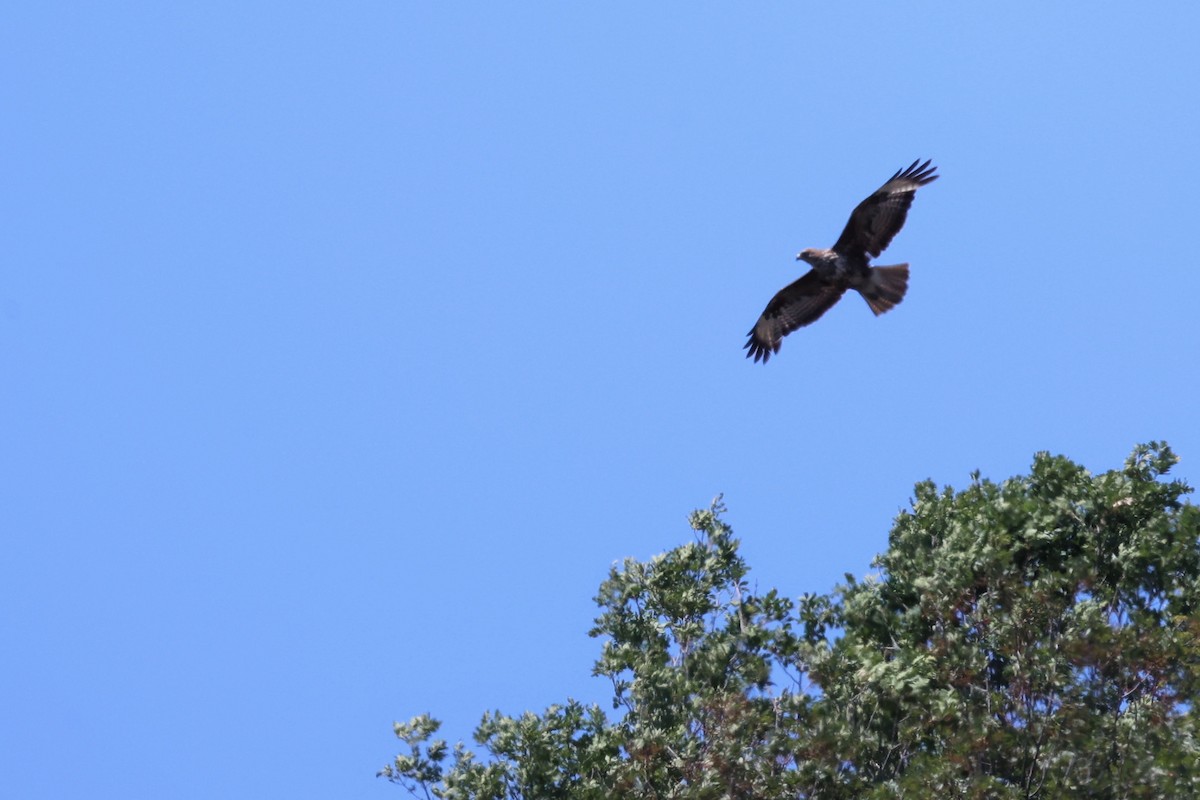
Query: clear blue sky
(345, 346)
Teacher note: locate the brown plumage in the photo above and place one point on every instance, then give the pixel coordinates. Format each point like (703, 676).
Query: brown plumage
(872, 226)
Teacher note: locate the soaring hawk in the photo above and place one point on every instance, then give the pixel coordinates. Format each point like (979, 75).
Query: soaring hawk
(846, 265)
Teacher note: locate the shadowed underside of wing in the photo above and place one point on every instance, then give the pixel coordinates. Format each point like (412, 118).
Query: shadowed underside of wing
(877, 220)
(794, 306)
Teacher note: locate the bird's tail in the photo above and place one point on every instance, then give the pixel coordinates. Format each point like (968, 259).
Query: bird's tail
(885, 287)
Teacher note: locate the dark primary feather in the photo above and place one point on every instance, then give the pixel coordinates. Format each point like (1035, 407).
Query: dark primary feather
(877, 220)
(794, 306)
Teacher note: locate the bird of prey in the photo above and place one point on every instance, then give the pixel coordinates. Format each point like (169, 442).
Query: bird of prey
(846, 265)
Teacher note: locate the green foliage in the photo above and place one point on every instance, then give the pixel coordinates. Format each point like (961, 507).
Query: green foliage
(1036, 638)
(691, 652)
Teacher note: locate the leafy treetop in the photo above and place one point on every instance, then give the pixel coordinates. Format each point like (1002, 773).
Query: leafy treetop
(1035, 638)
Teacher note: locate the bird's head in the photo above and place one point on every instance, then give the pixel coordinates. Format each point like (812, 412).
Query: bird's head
(808, 255)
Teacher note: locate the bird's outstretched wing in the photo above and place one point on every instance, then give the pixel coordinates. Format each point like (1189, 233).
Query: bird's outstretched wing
(877, 220)
(794, 306)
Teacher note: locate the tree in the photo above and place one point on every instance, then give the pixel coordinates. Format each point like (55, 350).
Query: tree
(1036, 638)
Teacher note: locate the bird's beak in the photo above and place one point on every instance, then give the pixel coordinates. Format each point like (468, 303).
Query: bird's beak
(798, 258)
